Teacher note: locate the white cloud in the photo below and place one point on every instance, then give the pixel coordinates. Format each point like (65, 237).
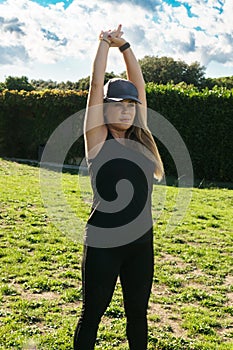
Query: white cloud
(18, 52)
(35, 35)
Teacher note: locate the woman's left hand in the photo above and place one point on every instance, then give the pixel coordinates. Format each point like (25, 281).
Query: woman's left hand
(113, 36)
(116, 37)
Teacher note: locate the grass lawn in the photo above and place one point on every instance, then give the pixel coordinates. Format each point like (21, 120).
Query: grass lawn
(191, 305)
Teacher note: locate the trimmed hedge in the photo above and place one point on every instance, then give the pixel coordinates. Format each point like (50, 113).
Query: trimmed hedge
(205, 122)
(203, 119)
(27, 119)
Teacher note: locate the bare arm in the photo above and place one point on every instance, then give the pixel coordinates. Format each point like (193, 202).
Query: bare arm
(133, 71)
(94, 128)
(134, 74)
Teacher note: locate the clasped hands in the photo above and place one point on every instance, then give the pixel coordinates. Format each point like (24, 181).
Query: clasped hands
(114, 37)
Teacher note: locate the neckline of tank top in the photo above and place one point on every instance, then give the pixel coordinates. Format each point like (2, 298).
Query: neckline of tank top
(111, 137)
(108, 137)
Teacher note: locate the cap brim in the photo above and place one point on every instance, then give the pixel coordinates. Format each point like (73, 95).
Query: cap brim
(117, 99)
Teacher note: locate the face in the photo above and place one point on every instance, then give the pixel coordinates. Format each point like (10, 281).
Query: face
(120, 115)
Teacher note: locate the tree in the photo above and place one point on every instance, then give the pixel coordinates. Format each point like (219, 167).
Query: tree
(165, 69)
(109, 76)
(84, 83)
(226, 82)
(2, 86)
(16, 83)
(195, 74)
(81, 84)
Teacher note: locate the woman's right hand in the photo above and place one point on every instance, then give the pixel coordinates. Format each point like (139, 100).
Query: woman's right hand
(104, 35)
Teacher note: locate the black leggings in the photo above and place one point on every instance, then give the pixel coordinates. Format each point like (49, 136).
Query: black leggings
(100, 269)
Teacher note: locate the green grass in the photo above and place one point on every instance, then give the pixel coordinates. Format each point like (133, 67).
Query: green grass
(191, 305)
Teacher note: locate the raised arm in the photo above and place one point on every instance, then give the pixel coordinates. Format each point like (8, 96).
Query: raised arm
(134, 74)
(94, 129)
(133, 69)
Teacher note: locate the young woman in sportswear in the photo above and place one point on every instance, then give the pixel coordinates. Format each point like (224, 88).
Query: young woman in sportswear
(123, 160)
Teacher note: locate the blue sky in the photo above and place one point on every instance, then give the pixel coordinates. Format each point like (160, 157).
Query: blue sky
(57, 40)
(45, 3)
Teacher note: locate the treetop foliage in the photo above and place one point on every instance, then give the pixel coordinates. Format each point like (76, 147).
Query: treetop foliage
(164, 70)
(158, 70)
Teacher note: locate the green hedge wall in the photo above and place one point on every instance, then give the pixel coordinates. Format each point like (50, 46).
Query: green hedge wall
(205, 122)
(203, 119)
(27, 119)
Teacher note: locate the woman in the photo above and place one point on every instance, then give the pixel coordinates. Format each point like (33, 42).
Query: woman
(119, 232)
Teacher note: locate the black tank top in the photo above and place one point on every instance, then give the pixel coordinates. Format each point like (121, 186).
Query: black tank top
(122, 183)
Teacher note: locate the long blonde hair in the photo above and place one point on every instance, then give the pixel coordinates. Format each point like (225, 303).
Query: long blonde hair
(142, 134)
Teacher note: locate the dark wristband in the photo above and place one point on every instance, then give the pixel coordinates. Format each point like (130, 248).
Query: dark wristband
(124, 47)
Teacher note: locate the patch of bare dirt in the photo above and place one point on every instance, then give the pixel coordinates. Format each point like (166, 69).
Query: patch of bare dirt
(228, 280)
(168, 318)
(36, 296)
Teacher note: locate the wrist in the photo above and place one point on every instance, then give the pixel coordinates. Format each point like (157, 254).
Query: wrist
(124, 47)
(105, 40)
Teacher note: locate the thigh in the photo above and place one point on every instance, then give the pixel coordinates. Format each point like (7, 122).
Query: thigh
(137, 274)
(100, 269)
